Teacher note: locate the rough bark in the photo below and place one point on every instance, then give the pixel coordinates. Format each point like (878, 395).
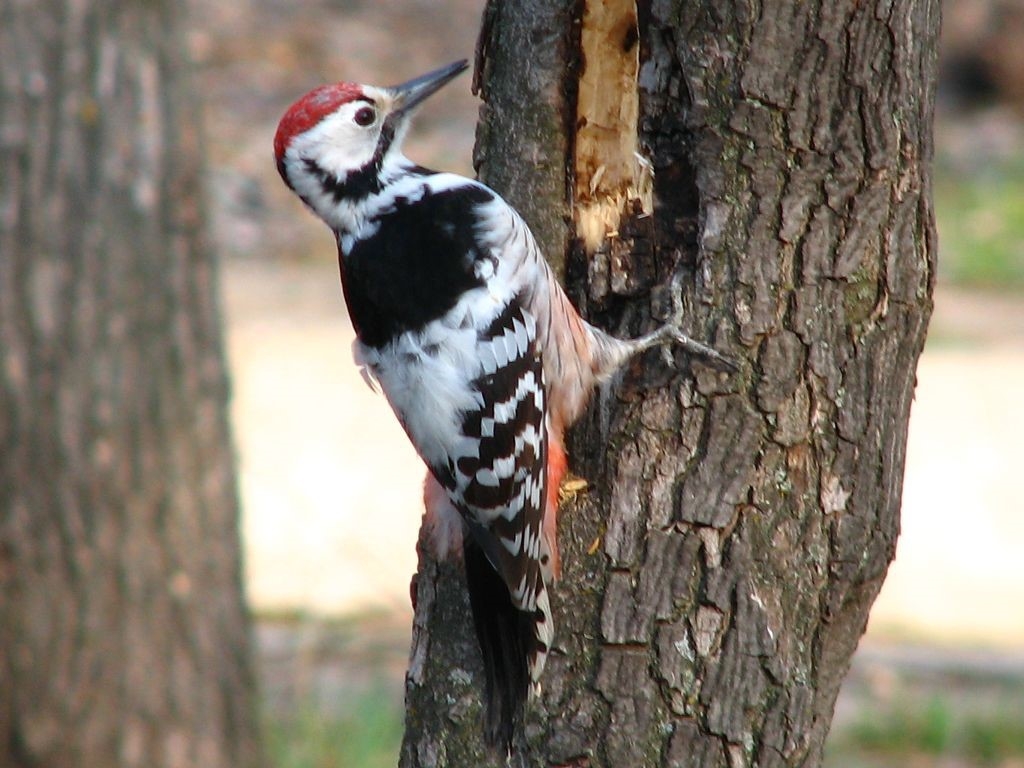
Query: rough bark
(524, 134)
(720, 568)
(123, 636)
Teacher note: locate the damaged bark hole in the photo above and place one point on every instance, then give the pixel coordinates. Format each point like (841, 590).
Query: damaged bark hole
(611, 178)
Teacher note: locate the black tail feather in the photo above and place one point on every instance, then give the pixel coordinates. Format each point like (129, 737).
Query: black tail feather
(506, 637)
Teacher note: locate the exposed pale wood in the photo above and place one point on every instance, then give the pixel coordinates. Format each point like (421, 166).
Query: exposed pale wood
(612, 180)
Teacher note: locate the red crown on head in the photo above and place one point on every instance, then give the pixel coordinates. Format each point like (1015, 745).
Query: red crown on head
(310, 110)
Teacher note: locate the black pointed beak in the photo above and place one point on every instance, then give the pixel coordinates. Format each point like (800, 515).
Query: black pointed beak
(409, 95)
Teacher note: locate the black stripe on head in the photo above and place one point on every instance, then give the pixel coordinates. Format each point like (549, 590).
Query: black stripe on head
(331, 184)
(366, 181)
(361, 182)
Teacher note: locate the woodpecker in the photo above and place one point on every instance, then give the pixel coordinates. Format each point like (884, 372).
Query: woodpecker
(463, 326)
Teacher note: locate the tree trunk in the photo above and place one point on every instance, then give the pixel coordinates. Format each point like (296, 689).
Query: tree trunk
(123, 636)
(719, 570)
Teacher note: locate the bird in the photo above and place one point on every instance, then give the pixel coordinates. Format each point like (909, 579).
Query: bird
(463, 326)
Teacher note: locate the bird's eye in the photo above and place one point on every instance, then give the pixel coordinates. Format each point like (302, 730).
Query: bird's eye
(365, 116)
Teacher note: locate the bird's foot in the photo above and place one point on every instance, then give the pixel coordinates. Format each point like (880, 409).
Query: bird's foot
(671, 333)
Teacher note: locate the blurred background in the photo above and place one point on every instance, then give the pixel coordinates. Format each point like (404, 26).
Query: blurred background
(331, 487)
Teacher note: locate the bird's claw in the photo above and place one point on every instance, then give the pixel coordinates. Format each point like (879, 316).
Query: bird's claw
(710, 356)
(672, 330)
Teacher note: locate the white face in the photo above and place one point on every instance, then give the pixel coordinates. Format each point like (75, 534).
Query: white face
(343, 142)
(347, 139)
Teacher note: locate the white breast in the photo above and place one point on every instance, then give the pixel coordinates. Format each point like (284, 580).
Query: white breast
(427, 375)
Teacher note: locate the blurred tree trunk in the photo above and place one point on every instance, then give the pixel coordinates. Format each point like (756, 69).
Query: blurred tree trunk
(720, 568)
(123, 636)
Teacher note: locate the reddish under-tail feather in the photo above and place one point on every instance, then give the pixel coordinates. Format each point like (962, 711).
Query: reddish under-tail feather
(557, 465)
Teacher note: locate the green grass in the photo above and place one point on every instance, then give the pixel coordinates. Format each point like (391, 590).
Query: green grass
(903, 729)
(949, 728)
(366, 735)
(995, 739)
(979, 209)
(945, 726)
